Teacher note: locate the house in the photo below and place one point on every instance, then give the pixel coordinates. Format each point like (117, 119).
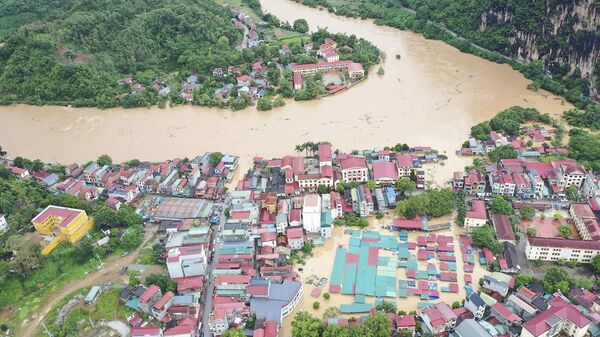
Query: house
(61, 224)
(355, 70)
(585, 298)
(503, 226)
(439, 318)
(354, 169)
(405, 324)
(147, 332)
(244, 81)
(311, 213)
(510, 263)
(217, 72)
(504, 315)
(405, 165)
(561, 317)
(150, 297)
(19, 172)
(160, 308)
(3, 223)
(295, 237)
(477, 216)
(186, 261)
(475, 304)
(385, 172)
(470, 328)
(297, 81)
(498, 282)
(325, 156)
(520, 307)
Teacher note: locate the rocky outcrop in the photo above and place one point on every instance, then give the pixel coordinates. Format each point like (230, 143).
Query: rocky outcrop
(561, 33)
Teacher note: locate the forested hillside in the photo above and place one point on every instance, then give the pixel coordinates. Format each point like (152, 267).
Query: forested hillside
(76, 51)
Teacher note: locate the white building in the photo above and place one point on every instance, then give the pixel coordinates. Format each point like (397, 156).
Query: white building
(186, 261)
(354, 169)
(311, 213)
(477, 216)
(554, 249)
(3, 223)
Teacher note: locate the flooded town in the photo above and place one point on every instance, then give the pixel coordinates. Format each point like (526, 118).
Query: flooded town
(434, 193)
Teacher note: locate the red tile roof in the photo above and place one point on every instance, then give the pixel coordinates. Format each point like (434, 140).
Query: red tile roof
(506, 313)
(385, 169)
(503, 227)
(295, 232)
(478, 210)
(353, 162)
(560, 309)
(149, 293)
(405, 160)
(563, 243)
(163, 301)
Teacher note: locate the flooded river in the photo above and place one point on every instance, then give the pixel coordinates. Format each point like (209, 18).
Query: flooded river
(431, 96)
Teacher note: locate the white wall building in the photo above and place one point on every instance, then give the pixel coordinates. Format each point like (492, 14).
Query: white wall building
(311, 213)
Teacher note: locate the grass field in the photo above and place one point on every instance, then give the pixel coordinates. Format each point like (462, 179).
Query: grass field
(283, 35)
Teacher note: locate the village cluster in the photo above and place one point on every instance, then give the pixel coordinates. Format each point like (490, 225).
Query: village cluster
(252, 81)
(231, 253)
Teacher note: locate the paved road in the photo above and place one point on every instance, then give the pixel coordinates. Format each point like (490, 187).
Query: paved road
(111, 272)
(210, 288)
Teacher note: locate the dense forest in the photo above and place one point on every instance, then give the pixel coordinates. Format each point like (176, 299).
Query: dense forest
(555, 44)
(76, 51)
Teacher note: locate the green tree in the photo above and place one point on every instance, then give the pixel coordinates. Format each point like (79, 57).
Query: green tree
(215, 158)
(378, 325)
(316, 305)
(522, 279)
(596, 264)
(484, 237)
(555, 279)
(164, 282)
(405, 185)
(301, 26)
(380, 71)
(326, 296)
(234, 333)
(503, 152)
(456, 305)
(501, 206)
(585, 283)
(385, 306)
(104, 160)
(527, 212)
(306, 325)
(371, 184)
(573, 194)
(565, 231)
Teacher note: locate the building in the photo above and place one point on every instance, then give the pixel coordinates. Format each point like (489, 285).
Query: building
(385, 172)
(554, 249)
(470, 328)
(325, 155)
(477, 216)
(150, 297)
(147, 332)
(277, 301)
(295, 236)
(504, 230)
(438, 318)
(585, 221)
(311, 213)
(61, 224)
(160, 308)
(475, 305)
(186, 261)
(505, 316)
(354, 169)
(561, 317)
(355, 70)
(498, 282)
(3, 223)
(92, 295)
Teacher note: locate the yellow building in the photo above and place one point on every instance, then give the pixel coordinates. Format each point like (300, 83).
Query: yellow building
(63, 224)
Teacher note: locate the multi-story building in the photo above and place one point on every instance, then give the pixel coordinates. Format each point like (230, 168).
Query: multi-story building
(354, 169)
(61, 224)
(474, 183)
(311, 213)
(405, 165)
(186, 261)
(502, 184)
(585, 221)
(385, 172)
(554, 249)
(439, 318)
(477, 216)
(560, 318)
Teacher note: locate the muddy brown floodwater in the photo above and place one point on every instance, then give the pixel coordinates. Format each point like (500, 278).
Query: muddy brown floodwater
(430, 97)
